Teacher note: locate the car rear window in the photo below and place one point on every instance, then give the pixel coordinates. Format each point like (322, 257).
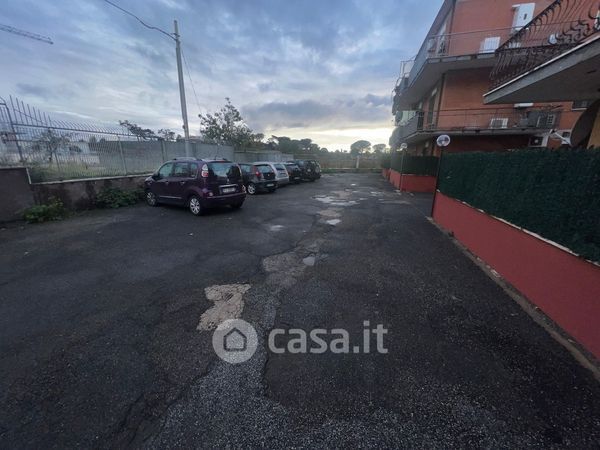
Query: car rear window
(225, 169)
(263, 168)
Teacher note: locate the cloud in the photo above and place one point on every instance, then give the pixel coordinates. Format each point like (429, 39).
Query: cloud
(304, 65)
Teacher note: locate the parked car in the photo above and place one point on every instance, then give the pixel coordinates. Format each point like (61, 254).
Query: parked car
(258, 178)
(294, 172)
(197, 184)
(281, 174)
(309, 168)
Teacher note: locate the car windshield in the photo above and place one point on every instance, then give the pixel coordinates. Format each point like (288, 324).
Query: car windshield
(225, 170)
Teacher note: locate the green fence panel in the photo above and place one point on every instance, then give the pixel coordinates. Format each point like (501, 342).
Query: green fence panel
(414, 165)
(554, 193)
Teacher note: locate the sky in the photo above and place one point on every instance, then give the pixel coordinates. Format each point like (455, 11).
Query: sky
(321, 69)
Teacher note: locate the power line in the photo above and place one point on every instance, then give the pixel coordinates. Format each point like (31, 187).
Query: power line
(187, 68)
(140, 20)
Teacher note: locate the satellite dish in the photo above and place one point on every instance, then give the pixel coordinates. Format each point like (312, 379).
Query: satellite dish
(443, 140)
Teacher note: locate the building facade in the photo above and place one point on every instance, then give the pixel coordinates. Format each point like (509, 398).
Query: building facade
(441, 90)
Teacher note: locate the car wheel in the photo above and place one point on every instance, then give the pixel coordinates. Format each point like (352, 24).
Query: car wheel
(195, 206)
(251, 189)
(237, 205)
(151, 199)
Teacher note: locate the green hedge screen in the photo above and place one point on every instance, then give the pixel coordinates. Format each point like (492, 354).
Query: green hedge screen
(554, 193)
(414, 165)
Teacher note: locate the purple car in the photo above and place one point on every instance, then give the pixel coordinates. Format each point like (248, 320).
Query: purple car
(197, 184)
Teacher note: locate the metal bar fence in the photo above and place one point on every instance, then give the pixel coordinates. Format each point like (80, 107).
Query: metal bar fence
(56, 150)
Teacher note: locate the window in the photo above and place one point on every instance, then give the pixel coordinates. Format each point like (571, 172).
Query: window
(263, 168)
(582, 104)
(225, 170)
(182, 170)
(165, 171)
(245, 168)
(193, 170)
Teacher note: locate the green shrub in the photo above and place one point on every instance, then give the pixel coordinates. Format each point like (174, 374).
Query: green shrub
(54, 210)
(554, 193)
(115, 197)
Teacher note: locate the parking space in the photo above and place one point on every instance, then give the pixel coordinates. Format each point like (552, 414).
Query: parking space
(101, 344)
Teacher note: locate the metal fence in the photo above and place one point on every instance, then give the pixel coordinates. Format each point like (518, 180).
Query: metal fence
(55, 150)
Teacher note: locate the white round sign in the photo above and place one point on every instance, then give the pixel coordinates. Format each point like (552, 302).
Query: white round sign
(443, 140)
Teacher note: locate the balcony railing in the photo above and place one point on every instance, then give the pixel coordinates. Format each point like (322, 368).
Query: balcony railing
(475, 120)
(454, 44)
(560, 27)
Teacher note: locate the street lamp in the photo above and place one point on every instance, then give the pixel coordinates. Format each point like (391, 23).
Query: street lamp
(403, 148)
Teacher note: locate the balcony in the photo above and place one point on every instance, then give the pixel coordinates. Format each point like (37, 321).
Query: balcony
(476, 122)
(440, 53)
(555, 57)
(560, 27)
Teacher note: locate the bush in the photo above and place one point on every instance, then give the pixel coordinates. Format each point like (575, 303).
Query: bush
(554, 193)
(54, 210)
(116, 197)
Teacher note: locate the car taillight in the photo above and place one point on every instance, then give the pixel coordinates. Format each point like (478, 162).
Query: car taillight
(204, 173)
(258, 174)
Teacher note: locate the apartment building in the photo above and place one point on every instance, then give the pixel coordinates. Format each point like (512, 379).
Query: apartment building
(441, 90)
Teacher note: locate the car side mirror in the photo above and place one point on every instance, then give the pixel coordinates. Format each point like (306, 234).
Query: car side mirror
(156, 176)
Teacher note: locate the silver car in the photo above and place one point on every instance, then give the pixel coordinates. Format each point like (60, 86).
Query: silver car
(281, 173)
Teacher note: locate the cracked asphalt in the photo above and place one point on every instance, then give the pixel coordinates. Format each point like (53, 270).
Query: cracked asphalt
(99, 343)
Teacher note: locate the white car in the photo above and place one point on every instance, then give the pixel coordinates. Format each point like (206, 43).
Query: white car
(281, 173)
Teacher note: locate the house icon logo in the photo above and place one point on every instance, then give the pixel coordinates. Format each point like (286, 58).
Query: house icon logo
(235, 341)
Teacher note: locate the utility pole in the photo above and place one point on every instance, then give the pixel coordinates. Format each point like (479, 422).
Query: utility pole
(186, 129)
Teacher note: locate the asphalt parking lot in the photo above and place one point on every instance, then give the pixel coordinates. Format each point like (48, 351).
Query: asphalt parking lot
(100, 348)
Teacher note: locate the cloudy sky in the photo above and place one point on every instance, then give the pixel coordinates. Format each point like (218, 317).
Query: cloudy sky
(321, 69)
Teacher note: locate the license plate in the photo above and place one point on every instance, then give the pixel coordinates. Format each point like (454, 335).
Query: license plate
(228, 190)
(270, 185)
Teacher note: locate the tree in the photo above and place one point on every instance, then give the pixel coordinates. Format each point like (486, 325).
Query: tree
(379, 148)
(142, 134)
(227, 126)
(359, 147)
(50, 141)
(166, 135)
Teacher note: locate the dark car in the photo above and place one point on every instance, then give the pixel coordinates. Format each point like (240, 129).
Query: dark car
(294, 172)
(196, 183)
(309, 168)
(258, 178)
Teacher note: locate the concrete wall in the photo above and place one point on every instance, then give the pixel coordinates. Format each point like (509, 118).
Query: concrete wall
(81, 194)
(564, 286)
(16, 193)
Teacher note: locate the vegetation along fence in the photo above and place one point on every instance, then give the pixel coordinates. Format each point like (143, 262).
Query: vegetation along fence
(414, 165)
(554, 193)
(54, 150)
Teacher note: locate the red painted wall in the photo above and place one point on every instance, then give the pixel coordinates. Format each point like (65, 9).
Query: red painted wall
(565, 287)
(413, 183)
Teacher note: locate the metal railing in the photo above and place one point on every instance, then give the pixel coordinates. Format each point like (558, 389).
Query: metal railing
(55, 150)
(560, 27)
(471, 120)
(477, 42)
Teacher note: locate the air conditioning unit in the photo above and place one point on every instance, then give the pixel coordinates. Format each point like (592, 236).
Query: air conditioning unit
(499, 123)
(489, 44)
(539, 140)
